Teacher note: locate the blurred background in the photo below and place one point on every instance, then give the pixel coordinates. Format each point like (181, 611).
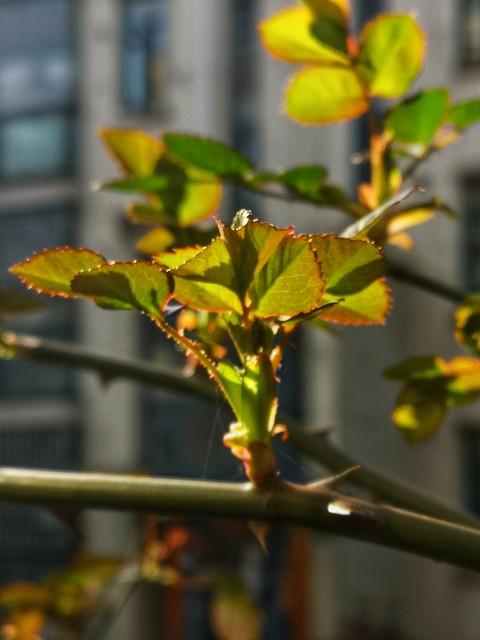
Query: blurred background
(68, 67)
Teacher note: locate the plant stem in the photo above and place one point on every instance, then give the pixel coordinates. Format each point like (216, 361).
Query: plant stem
(323, 510)
(426, 283)
(316, 447)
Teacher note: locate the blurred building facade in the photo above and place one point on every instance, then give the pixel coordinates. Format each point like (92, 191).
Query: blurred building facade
(195, 65)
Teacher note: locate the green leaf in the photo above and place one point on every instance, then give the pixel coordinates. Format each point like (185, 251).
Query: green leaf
(307, 180)
(288, 36)
(12, 302)
(331, 34)
(417, 120)
(126, 285)
(290, 283)
(418, 368)
(392, 49)
(420, 410)
(135, 152)
(51, 271)
(208, 281)
(144, 184)
(352, 270)
(464, 114)
(467, 324)
(362, 227)
(209, 155)
(325, 95)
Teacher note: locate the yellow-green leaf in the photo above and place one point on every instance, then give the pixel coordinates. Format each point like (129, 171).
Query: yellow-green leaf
(288, 36)
(420, 410)
(155, 241)
(338, 10)
(177, 257)
(51, 271)
(418, 368)
(135, 152)
(126, 285)
(467, 324)
(207, 281)
(325, 95)
(352, 270)
(392, 50)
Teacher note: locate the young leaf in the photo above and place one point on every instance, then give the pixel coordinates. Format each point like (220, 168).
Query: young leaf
(290, 283)
(177, 257)
(209, 155)
(338, 10)
(135, 152)
(13, 302)
(420, 409)
(392, 49)
(51, 271)
(207, 281)
(307, 180)
(126, 285)
(464, 114)
(144, 184)
(417, 119)
(288, 36)
(331, 34)
(325, 95)
(352, 270)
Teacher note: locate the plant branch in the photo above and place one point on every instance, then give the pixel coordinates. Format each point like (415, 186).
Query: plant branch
(426, 283)
(316, 447)
(323, 510)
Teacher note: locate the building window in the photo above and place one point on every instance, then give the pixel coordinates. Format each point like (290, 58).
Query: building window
(24, 233)
(471, 234)
(144, 68)
(37, 81)
(470, 32)
(470, 467)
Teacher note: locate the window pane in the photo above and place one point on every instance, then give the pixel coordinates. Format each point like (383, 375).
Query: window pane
(145, 34)
(36, 62)
(470, 31)
(36, 146)
(471, 235)
(21, 235)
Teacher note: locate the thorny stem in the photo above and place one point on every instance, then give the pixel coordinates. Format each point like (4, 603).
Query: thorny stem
(318, 448)
(281, 502)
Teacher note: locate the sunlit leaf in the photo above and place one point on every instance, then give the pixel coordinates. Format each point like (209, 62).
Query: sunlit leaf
(464, 114)
(51, 271)
(290, 283)
(126, 285)
(288, 36)
(332, 34)
(135, 152)
(13, 302)
(207, 281)
(392, 49)
(209, 155)
(305, 179)
(177, 257)
(420, 409)
(155, 241)
(20, 595)
(417, 120)
(325, 95)
(352, 270)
